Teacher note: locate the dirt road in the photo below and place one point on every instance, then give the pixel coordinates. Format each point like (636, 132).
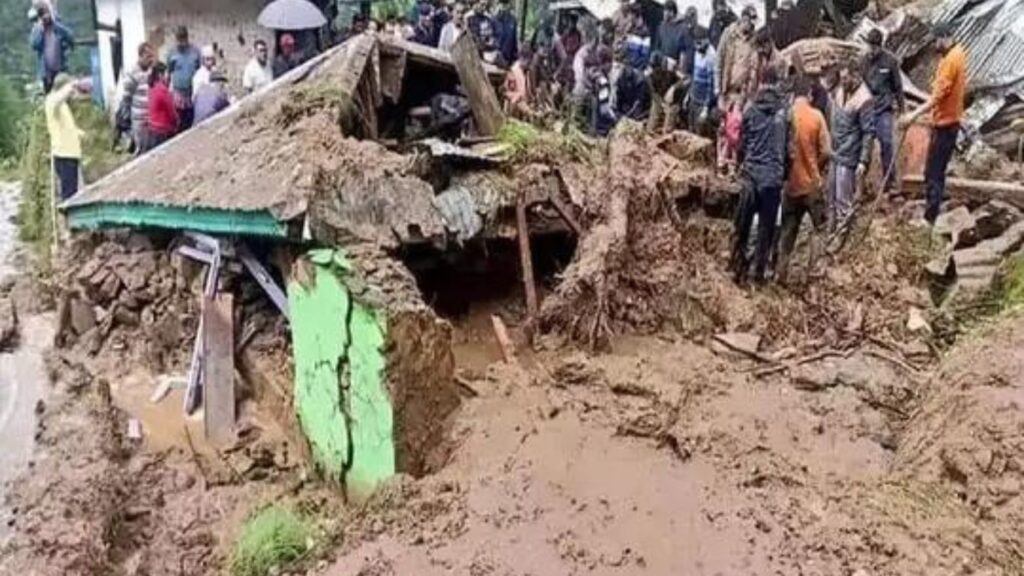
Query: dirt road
(22, 374)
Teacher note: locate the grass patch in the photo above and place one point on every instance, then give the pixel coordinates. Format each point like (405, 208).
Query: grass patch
(274, 537)
(529, 143)
(1012, 282)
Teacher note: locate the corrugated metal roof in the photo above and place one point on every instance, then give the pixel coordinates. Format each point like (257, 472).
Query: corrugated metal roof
(992, 33)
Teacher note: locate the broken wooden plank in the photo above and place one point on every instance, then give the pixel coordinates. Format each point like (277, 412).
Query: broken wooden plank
(566, 214)
(976, 191)
(482, 98)
(219, 367)
(508, 351)
(526, 258)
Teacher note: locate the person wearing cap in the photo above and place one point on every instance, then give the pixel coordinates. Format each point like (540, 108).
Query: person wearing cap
(881, 72)
(737, 57)
(632, 92)
(665, 83)
(721, 19)
(258, 72)
(51, 40)
(287, 56)
(213, 97)
(163, 116)
(207, 64)
(184, 60)
(506, 31)
(946, 105)
(763, 151)
(65, 136)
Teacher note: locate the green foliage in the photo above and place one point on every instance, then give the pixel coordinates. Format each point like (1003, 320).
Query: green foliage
(529, 143)
(12, 112)
(1012, 282)
(18, 61)
(35, 210)
(99, 159)
(274, 537)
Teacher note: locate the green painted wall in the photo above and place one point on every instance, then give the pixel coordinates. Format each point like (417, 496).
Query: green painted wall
(340, 394)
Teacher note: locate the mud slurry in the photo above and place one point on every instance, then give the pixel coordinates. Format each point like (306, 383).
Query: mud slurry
(662, 458)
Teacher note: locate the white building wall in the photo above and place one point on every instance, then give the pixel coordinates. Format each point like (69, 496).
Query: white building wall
(230, 24)
(133, 31)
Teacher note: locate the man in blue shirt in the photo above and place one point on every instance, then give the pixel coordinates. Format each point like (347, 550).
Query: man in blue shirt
(702, 88)
(505, 32)
(183, 61)
(51, 40)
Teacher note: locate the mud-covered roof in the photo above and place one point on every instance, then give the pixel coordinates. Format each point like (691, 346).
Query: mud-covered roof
(261, 157)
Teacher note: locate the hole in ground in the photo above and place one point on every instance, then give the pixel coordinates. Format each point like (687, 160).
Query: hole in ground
(468, 285)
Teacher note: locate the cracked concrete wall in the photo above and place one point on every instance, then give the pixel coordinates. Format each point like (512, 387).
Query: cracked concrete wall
(340, 388)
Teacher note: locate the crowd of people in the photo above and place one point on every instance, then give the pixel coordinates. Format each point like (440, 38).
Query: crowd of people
(160, 98)
(805, 144)
(799, 143)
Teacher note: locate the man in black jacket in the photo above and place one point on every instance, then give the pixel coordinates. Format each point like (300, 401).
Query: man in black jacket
(763, 157)
(881, 72)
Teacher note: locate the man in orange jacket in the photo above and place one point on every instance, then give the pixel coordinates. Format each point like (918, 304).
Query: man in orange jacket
(810, 148)
(946, 105)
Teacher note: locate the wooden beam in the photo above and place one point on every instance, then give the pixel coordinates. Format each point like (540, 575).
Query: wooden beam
(977, 191)
(219, 368)
(508, 351)
(482, 98)
(526, 258)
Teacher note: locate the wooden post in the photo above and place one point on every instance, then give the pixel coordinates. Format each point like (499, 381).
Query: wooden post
(526, 258)
(482, 98)
(219, 367)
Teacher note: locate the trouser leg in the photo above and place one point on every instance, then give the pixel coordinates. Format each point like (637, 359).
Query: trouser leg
(67, 177)
(940, 151)
(792, 216)
(767, 211)
(744, 220)
(845, 191)
(884, 132)
(655, 119)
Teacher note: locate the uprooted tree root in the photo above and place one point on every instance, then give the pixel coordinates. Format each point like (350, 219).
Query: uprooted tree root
(643, 265)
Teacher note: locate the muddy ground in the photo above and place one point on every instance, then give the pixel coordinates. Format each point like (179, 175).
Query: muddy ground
(664, 458)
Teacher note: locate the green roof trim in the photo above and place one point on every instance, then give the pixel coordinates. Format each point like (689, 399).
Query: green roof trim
(215, 221)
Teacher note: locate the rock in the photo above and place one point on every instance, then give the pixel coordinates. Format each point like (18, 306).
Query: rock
(940, 268)
(8, 324)
(992, 219)
(736, 342)
(916, 322)
(958, 226)
(83, 316)
(813, 378)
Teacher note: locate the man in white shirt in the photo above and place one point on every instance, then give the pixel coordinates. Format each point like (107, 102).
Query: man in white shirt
(257, 72)
(208, 62)
(451, 31)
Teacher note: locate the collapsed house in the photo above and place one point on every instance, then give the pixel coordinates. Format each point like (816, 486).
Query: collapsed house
(278, 189)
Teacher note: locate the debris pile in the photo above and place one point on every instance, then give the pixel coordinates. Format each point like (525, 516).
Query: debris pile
(132, 300)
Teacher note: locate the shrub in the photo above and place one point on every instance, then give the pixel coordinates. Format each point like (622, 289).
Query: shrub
(275, 536)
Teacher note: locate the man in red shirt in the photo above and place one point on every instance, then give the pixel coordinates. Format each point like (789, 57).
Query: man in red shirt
(163, 117)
